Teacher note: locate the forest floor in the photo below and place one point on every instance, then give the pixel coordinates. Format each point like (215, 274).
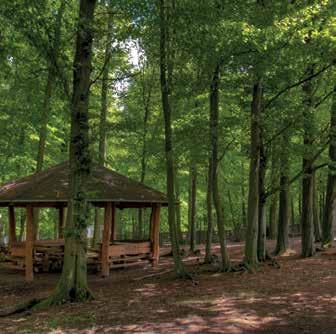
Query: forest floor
(298, 297)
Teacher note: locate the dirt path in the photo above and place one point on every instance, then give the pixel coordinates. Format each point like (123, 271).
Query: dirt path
(300, 297)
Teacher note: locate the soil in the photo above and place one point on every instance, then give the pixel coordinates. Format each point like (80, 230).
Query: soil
(297, 298)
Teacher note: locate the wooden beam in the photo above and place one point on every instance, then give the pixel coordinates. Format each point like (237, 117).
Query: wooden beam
(155, 233)
(113, 224)
(12, 226)
(105, 267)
(61, 222)
(29, 244)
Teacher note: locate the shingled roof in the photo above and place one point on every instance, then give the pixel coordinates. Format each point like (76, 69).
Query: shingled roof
(103, 185)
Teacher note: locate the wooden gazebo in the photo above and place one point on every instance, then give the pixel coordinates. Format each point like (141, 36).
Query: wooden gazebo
(105, 189)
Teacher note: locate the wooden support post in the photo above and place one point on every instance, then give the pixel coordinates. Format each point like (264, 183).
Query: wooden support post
(29, 244)
(105, 266)
(155, 234)
(113, 224)
(61, 222)
(12, 226)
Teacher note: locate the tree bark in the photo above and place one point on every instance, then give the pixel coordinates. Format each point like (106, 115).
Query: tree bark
(330, 201)
(262, 202)
(274, 202)
(282, 243)
(251, 243)
(192, 208)
(72, 285)
(316, 217)
(166, 107)
(214, 110)
(52, 73)
(103, 117)
(307, 224)
(208, 253)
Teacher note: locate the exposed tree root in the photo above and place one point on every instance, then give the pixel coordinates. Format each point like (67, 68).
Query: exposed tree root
(19, 308)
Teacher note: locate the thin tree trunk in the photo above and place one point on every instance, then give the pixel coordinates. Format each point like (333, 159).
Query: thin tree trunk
(282, 243)
(178, 206)
(208, 253)
(262, 203)
(251, 243)
(46, 104)
(330, 201)
(274, 201)
(316, 217)
(73, 282)
(214, 110)
(165, 94)
(103, 117)
(192, 208)
(307, 224)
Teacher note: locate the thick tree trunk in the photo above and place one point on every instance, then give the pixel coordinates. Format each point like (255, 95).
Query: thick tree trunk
(208, 253)
(192, 208)
(282, 243)
(307, 223)
(214, 110)
(251, 243)
(330, 201)
(165, 94)
(73, 282)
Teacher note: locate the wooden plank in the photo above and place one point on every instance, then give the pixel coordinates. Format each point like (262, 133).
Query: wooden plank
(105, 269)
(29, 244)
(155, 233)
(12, 226)
(130, 248)
(18, 251)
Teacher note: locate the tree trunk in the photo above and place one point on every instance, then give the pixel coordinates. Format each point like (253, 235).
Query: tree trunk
(262, 201)
(274, 202)
(103, 118)
(330, 201)
(282, 243)
(192, 208)
(178, 207)
(251, 243)
(52, 72)
(214, 110)
(307, 224)
(208, 253)
(316, 217)
(165, 94)
(73, 282)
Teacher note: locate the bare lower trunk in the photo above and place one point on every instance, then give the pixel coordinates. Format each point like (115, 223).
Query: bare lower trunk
(282, 243)
(307, 223)
(208, 253)
(192, 226)
(214, 109)
(316, 217)
(274, 201)
(262, 204)
(330, 201)
(251, 244)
